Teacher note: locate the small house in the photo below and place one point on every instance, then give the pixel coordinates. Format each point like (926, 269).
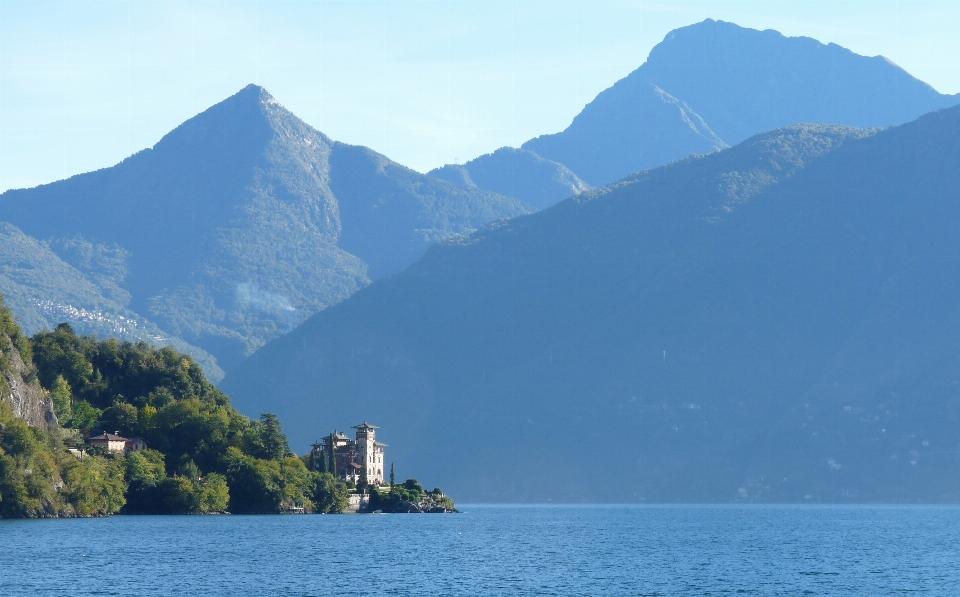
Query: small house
(134, 444)
(113, 443)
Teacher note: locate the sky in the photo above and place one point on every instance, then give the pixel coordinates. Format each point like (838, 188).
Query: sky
(84, 84)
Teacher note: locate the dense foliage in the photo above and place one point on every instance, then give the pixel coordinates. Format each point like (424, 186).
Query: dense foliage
(410, 497)
(203, 456)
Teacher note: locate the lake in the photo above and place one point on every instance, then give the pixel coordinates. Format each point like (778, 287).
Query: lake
(495, 550)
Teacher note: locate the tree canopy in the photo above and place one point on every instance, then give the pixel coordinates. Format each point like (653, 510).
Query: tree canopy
(203, 455)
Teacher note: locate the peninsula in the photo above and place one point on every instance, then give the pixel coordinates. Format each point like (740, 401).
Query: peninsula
(94, 427)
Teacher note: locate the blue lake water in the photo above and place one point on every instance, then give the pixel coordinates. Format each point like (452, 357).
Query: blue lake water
(496, 550)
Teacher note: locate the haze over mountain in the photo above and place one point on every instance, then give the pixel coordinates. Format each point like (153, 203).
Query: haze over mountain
(773, 322)
(244, 220)
(516, 173)
(714, 83)
(45, 290)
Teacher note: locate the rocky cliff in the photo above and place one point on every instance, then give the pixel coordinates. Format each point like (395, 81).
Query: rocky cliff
(18, 382)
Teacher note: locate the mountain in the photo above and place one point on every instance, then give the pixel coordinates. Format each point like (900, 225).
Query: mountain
(515, 173)
(244, 220)
(772, 322)
(626, 132)
(715, 83)
(44, 290)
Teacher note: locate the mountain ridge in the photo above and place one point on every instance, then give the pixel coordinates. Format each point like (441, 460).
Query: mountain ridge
(703, 309)
(515, 173)
(231, 226)
(739, 82)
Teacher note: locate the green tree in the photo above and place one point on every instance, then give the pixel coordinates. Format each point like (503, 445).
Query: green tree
(329, 494)
(121, 417)
(297, 484)
(214, 493)
(177, 495)
(62, 397)
(94, 486)
(255, 484)
(145, 466)
(332, 456)
(266, 440)
(85, 415)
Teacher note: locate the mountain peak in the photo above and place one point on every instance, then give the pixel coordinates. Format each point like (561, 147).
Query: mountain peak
(243, 119)
(738, 82)
(254, 92)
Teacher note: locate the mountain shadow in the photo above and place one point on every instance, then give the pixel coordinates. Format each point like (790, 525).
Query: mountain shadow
(772, 322)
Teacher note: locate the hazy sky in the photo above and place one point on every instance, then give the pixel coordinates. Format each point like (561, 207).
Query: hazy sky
(84, 84)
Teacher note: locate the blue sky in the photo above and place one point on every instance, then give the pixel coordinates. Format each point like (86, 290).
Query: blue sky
(83, 84)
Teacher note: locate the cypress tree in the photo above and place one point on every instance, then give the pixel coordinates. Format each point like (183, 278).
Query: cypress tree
(332, 457)
(392, 478)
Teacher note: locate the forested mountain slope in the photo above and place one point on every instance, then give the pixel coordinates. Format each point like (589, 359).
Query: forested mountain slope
(45, 290)
(715, 83)
(772, 322)
(244, 220)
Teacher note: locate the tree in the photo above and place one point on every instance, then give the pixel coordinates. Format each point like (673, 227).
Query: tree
(266, 439)
(95, 486)
(85, 415)
(214, 493)
(255, 484)
(62, 396)
(332, 457)
(329, 494)
(177, 495)
(392, 478)
(120, 417)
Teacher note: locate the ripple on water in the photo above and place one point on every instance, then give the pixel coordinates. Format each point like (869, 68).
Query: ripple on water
(493, 550)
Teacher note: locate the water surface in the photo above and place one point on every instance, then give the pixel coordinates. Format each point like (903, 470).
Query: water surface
(495, 550)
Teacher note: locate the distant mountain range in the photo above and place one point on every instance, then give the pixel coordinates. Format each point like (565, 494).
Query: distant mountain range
(706, 87)
(516, 173)
(752, 309)
(772, 322)
(241, 223)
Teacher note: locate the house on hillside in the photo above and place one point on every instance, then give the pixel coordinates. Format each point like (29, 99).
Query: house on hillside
(352, 459)
(134, 444)
(115, 444)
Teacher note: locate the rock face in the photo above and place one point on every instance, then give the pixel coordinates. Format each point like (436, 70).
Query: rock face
(516, 173)
(29, 401)
(715, 83)
(244, 220)
(765, 323)
(19, 387)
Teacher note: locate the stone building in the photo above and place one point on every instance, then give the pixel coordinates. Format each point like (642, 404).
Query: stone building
(113, 443)
(355, 459)
(116, 444)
